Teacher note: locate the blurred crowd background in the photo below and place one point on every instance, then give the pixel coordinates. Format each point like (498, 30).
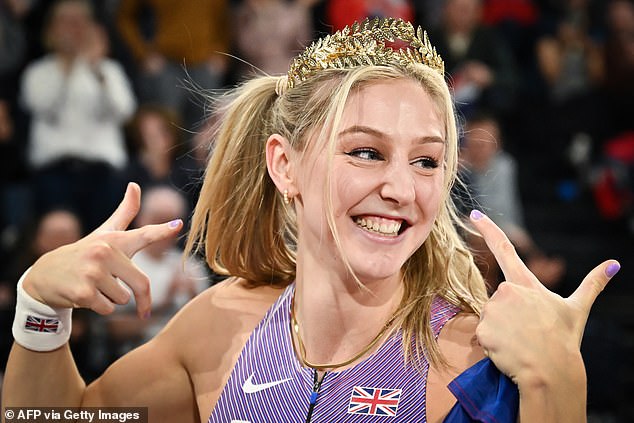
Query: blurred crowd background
(94, 94)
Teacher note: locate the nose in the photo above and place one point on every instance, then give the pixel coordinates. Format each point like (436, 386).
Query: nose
(398, 184)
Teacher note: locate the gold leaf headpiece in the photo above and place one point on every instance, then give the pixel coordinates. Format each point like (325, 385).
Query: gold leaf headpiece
(364, 44)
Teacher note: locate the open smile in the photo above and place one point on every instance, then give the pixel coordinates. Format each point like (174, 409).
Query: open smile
(381, 225)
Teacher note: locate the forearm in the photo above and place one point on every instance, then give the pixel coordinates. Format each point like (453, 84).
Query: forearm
(557, 397)
(117, 99)
(42, 379)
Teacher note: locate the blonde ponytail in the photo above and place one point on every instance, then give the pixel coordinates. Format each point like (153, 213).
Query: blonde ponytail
(239, 220)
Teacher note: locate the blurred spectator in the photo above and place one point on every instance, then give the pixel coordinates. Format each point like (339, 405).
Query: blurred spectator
(161, 157)
(516, 22)
(569, 115)
(174, 279)
(175, 42)
(491, 175)
(12, 37)
(619, 64)
(52, 230)
(613, 179)
(511, 18)
(569, 60)
(270, 33)
(14, 209)
(78, 100)
(480, 65)
(202, 141)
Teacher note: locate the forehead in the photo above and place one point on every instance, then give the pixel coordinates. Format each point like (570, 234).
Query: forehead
(399, 107)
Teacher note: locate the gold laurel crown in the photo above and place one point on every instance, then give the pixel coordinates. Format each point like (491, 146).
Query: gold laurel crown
(364, 44)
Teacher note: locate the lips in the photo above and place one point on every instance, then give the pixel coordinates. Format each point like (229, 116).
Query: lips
(381, 225)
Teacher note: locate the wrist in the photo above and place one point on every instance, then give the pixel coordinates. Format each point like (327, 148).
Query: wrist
(556, 393)
(37, 326)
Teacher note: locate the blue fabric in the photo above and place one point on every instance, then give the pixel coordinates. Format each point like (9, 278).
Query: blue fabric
(484, 395)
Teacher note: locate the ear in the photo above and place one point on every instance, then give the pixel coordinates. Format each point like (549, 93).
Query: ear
(280, 163)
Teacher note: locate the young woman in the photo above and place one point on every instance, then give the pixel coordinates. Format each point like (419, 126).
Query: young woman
(352, 296)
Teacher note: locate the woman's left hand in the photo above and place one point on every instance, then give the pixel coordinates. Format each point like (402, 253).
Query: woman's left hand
(532, 334)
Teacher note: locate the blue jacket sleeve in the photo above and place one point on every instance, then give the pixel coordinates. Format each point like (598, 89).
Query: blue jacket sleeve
(484, 395)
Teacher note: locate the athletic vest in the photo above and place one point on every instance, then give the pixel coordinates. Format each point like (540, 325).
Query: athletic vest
(269, 384)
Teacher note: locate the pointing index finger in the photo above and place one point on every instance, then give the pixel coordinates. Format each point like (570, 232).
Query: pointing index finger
(137, 239)
(514, 269)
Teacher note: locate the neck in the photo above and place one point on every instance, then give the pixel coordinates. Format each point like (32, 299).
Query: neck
(65, 62)
(337, 318)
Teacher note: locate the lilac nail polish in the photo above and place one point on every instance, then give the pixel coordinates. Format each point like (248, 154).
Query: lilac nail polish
(612, 269)
(476, 214)
(174, 223)
(147, 315)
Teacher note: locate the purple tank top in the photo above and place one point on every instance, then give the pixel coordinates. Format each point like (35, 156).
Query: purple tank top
(268, 383)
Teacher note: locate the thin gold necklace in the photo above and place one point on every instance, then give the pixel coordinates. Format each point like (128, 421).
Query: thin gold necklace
(321, 367)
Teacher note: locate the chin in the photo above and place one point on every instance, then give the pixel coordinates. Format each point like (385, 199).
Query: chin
(376, 272)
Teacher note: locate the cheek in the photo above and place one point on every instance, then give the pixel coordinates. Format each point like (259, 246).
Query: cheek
(429, 194)
(348, 191)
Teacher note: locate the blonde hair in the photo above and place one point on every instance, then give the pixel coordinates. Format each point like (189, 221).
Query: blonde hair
(245, 230)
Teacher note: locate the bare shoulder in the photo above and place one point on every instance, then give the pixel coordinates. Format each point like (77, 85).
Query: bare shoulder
(227, 308)
(211, 331)
(180, 373)
(458, 344)
(214, 320)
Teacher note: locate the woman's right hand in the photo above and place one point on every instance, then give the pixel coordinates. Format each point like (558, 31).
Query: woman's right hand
(85, 273)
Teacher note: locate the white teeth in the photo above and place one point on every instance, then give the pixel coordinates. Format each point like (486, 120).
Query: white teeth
(390, 229)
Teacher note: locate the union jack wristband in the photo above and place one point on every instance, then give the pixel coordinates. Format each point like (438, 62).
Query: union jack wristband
(39, 327)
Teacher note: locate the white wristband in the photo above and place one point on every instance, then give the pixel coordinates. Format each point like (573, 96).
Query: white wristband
(39, 327)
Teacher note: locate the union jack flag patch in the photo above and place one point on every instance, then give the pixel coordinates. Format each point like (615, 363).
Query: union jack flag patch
(374, 401)
(37, 324)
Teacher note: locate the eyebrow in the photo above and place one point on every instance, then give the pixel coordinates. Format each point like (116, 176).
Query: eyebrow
(378, 134)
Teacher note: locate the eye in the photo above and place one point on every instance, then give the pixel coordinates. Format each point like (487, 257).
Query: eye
(425, 163)
(365, 154)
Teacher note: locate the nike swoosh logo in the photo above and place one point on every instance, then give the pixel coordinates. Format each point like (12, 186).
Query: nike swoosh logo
(249, 387)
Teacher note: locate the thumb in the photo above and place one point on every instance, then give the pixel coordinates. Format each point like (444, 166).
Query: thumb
(126, 211)
(137, 239)
(594, 283)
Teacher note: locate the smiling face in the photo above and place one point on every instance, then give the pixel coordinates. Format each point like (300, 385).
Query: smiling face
(386, 182)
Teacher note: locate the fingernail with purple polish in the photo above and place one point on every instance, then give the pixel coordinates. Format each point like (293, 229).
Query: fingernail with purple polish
(174, 223)
(147, 315)
(612, 269)
(476, 214)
